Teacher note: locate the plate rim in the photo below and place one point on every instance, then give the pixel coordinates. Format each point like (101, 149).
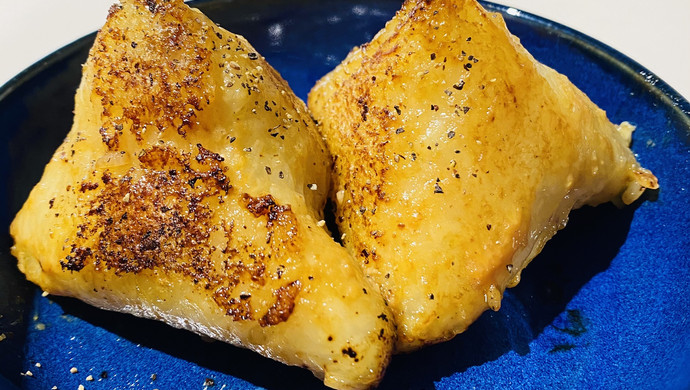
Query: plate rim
(673, 100)
(635, 70)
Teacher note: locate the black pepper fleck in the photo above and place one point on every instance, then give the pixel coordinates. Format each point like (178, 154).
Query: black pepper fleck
(437, 187)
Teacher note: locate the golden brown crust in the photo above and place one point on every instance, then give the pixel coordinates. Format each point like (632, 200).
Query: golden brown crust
(161, 217)
(457, 156)
(189, 190)
(164, 94)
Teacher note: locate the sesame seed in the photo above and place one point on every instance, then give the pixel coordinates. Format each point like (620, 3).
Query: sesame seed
(89, 378)
(73, 370)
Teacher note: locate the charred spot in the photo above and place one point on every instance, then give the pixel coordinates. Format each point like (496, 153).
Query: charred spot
(149, 218)
(87, 186)
(283, 306)
(349, 352)
(76, 260)
(239, 309)
(265, 206)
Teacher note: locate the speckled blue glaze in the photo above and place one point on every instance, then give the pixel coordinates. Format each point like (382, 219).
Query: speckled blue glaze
(603, 306)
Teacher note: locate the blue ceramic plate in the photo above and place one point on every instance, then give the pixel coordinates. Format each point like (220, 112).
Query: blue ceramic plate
(604, 305)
